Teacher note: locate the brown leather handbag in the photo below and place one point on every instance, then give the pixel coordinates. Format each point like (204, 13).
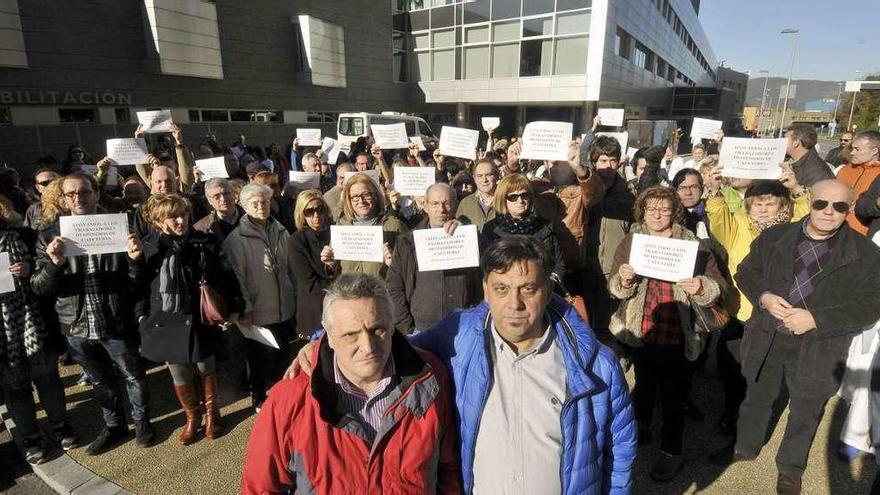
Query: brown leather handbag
(709, 319)
(577, 302)
(212, 306)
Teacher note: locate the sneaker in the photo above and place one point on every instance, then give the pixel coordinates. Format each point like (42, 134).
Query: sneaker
(110, 437)
(143, 433)
(34, 451)
(66, 437)
(666, 467)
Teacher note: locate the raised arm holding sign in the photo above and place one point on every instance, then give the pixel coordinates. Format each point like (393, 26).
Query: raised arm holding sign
(309, 137)
(155, 121)
(746, 158)
(459, 142)
(305, 180)
(663, 258)
(705, 128)
(546, 141)
(212, 167)
(437, 250)
(390, 136)
(490, 123)
(127, 151)
(611, 116)
(413, 181)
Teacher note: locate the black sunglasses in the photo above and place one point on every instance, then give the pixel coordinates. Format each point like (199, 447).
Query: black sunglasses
(514, 197)
(308, 212)
(45, 183)
(839, 206)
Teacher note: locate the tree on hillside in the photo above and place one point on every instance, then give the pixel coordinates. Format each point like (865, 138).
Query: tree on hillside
(867, 109)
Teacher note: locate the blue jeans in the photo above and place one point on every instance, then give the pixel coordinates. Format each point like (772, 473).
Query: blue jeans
(98, 357)
(43, 373)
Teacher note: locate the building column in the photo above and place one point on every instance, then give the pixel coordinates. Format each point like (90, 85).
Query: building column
(461, 114)
(588, 111)
(520, 119)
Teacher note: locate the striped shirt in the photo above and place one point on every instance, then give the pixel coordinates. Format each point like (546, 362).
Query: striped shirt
(367, 409)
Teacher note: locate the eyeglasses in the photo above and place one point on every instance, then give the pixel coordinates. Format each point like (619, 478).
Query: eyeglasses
(839, 206)
(845, 140)
(310, 212)
(361, 198)
(515, 197)
(77, 194)
(695, 187)
(664, 212)
(45, 183)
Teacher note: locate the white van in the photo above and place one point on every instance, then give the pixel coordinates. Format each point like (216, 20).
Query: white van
(351, 126)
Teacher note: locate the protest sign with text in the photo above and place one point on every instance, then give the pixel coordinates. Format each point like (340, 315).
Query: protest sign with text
(459, 142)
(357, 243)
(127, 151)
(309, 137)
(390, 136)
(94, 234)
(611, 116)
(546, 141)
(663, 258)
(155, 121)
(417, 140)
(305, 180)
(210, 168)
(413, 181)
(705, 128)
(436, 250)
(490, 123)
(747, 158)
(331, 148)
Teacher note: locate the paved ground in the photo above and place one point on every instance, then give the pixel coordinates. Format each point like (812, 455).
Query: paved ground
(16, 477)
(215, 466)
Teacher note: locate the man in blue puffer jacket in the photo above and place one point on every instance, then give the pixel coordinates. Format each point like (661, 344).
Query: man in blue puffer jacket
(543, 407)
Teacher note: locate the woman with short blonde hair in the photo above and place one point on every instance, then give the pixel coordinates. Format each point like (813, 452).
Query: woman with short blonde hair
(312, 274)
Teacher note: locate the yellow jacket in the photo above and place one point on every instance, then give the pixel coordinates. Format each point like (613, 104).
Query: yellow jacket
(735, 231)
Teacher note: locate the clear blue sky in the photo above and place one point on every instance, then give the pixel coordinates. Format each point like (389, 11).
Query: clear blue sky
(837, 37)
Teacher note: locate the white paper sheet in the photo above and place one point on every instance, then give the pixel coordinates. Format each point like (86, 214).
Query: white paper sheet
(705, 128)
(94, 234)
(747, 158)
(621, 137)
(459, 142)
(546, 141)
(417, 140)
(611, 116)
(112, 173)
(213, 167)
(127, 151)
(7, 282)
(306, 180)
(357, 242)
(631, 152)
(437, 251)
(663, 258)
(331, 149)
(490, 123)
(257, 333)
(413, 181)
(155, 121)
(390, 136)
(309, 137)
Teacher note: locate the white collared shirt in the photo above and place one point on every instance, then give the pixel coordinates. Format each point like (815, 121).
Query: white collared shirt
(519, 444)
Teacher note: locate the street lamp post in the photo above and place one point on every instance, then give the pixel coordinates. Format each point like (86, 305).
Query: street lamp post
(763, 96)
(790, 71)
(853, 107)
(836, 107)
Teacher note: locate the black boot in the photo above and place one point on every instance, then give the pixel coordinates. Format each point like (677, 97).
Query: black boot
(110, 437)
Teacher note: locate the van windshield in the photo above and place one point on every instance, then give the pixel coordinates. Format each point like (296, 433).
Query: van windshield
(351, 126)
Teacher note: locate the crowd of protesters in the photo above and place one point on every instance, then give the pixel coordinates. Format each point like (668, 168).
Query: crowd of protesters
(493, 379)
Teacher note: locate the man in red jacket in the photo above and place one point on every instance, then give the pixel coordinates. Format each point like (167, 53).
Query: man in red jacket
(376, 416)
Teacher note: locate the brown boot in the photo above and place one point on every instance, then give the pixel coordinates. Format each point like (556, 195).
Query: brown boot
(213, 424)
(189, 400)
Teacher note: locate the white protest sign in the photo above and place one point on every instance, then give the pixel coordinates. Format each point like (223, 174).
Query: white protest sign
(413, 181)
(546, 141)
(459, 142)
(305, 180)
(747, 158)
(94, 234)
(212, 167)
(417, 140)
(357, 243)
(705, 128)
(373, 174)
(154, 121)
(621, 137)
(257, 333)
(7, 283)
(112, 173)
(490, 123)
(435, 250)
(663, 258)
(853, 87)
(127, 151)
(331, 149)
(611, 116)
(631, 152)
(309, 137)
(390, 136)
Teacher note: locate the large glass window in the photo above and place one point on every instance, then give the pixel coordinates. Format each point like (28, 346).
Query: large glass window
(476, 62)
(562, 5)
(576, 22)
(505, 31)
(476, 34)
(422, 67)
(542, 26)
(443, 67)
(505, 9)
(505, 60)
(421, 40)
(442, 39)
(535, 57)
(476, 11)
(534, 7)
(443, 17)
(571, 55)
(419, 20)
(80, 115)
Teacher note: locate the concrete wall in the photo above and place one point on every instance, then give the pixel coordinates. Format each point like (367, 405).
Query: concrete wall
(12, 49)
